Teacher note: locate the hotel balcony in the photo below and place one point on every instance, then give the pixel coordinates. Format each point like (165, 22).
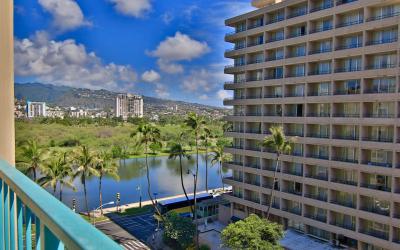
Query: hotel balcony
(297, 50)
(378, 16)
(255, 22)
(371, 228)
(347, 87)
(251, 196)
(346, 110)
(273, 73)
(318, 131)
(343, 199)
(294, 110)
(273, 92)
(294, 90)
(321, 5)
(252, 179)
(316, 172)
(292, 168)
(274, 54)
(340, 2)
(293, 129)
(319, 89)
(343, 220)
(380, 85)
(292, 187)
(318, 110)
(316, 193)
(345, 132)
(275, 16)
(374, 205)
(378, 134)
(26, 207)
(275, 35)
(345, 154)
(320, 46)
(315, 213)
(297, 30)
(291, 206)
(349, 18)
(379, 158)
(320, 25)
(297, 10)
(376, 182)
(343, 176)
(270, 165)
(319, 68)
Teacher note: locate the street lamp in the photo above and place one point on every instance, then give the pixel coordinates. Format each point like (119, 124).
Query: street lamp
(105, 204)
(138, 188)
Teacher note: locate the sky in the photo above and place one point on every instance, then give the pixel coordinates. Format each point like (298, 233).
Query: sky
(171, 49)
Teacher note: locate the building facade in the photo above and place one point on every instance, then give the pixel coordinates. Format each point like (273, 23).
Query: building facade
(328, 73)
(36, 109)
(128, 105)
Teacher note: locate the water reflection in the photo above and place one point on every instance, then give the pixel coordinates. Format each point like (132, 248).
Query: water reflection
(164, 176)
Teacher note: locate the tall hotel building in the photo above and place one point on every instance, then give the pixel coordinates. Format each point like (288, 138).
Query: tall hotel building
(328, 72)
(128, 105)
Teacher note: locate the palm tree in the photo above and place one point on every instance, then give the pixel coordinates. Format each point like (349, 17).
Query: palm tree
(85, 162)
(148, 134)
(219, 157)
(65, 175)
(205, 137)
(32, 158)
(177, 150)
(105, 166)
(196, 124)
(278, 144)
(57, 172)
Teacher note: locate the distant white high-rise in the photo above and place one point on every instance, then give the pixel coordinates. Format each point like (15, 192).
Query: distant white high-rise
(128, 105)
(36, 109)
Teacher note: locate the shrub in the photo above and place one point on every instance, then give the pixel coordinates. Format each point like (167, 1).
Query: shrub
(70, 143)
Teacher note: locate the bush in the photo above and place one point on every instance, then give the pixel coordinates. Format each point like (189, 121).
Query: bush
(178, 231)
(204, 247)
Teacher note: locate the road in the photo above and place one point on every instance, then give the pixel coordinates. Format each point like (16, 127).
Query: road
(121, 236)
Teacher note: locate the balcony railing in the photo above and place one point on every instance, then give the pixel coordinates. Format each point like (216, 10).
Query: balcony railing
(346, 115)
(274, 39)
(340, 2)
(275, 19)
(318, 135)
(296, 13)
(390, 89)
(375, 233)
(323, 6)
(25, 205)
(255, 61)
(238, 47)
(320, 29)
(346, 24)
(272, 77)
(235, 32)
(381, 41)
(319, 72)
(318, 93)
(299, 54)
(345, 225)
(380, 17)
(349, 46)
(376, 210)
(342, 70)
(345, 203)
(378, 139)
(346, 137)
(319, 51)
(321, 114)
(381, 66)
(318, 217)
(272, 96)
(378, 164)
(255, 25)
(317, 176)
(344, 159)
(297, 34)
(376, 187)
(315, 196)
(273, 58)
(318, 156)
(293, 210)
(379, 115)
(344, 181)
(295, 74)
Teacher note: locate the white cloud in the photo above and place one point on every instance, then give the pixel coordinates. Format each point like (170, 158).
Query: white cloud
(161, 91)
(198, 80)
(135, 8)
(203, 97)
(151, 76)
(68, 63)
(180, 47)
(169, 67)
(222, 94)
(67, 15)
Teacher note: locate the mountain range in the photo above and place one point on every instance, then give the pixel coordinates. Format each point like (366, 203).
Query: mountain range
(100, 99)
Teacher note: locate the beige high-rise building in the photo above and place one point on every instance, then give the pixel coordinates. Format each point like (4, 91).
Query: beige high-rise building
(328, 72)
(128, 105)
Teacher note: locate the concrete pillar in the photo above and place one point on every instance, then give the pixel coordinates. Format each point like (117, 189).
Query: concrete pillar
(7, 141)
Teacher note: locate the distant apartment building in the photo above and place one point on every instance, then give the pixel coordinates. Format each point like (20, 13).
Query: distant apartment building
(55, 112)
(36, 109)
(328, 72)
(128, 105)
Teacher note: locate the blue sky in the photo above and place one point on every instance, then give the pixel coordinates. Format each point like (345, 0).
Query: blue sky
(169, 49)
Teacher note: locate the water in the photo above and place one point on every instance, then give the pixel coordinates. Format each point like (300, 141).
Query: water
(164, 179)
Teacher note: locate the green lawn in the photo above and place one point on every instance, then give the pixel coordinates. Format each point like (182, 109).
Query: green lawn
(137, 210)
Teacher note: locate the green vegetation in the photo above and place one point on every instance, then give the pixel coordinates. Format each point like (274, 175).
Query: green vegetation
(137, 210)
(178, 231)
(252, 233)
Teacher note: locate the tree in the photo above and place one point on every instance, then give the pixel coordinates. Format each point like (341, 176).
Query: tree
(219, 157)
(178, 231)
(85, 162)
(56, 172)
(196, 123)
(205, 137)
(32, 158)
(177, 150)
(252, 233)
(278, 143)
(105, 166)
(148, 134)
